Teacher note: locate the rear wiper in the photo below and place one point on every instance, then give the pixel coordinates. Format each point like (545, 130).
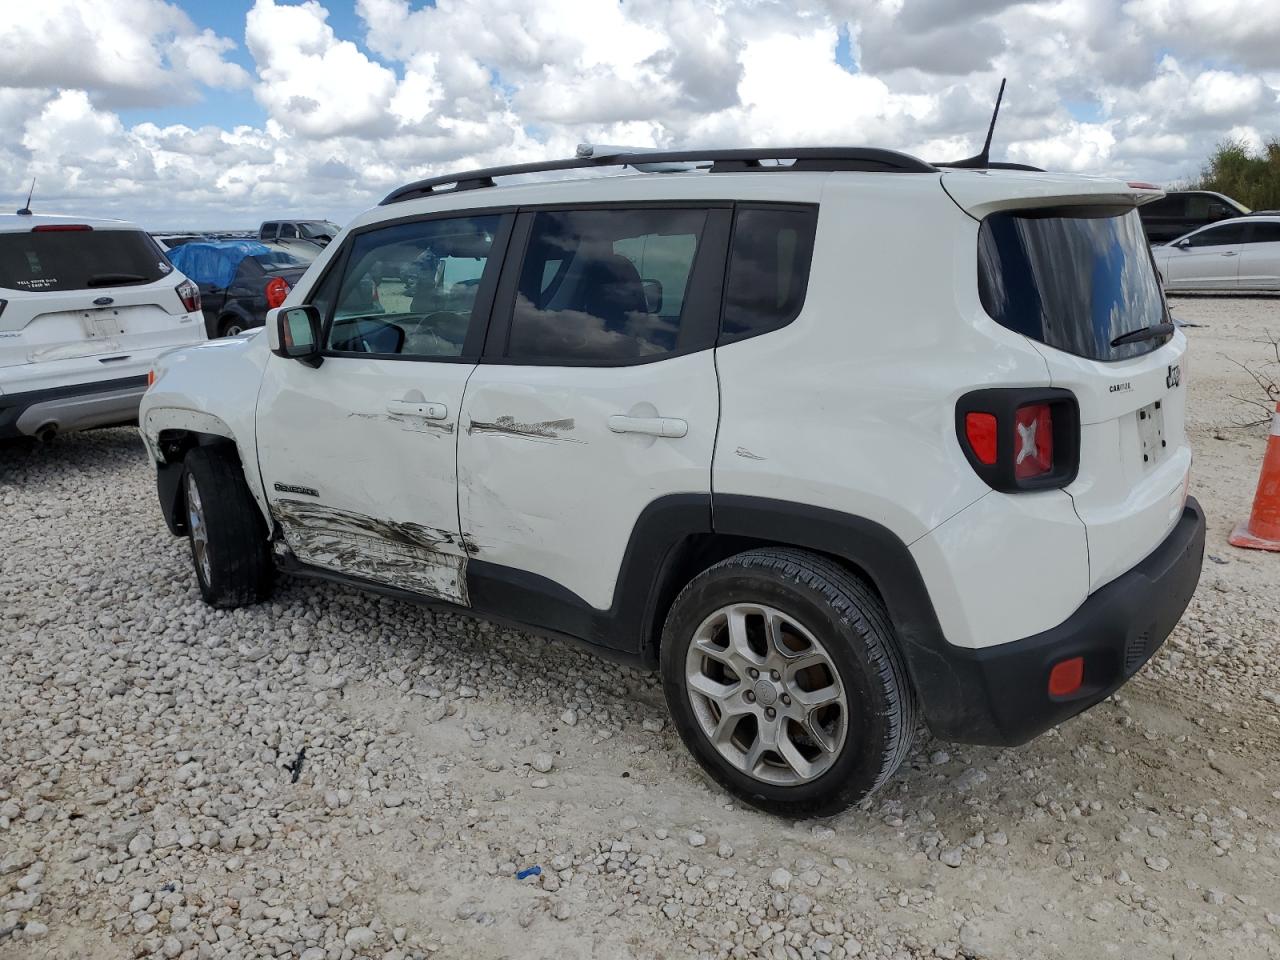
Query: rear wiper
(106, 279)
(1153, 332)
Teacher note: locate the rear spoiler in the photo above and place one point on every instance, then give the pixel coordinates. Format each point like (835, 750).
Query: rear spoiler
(980, 193)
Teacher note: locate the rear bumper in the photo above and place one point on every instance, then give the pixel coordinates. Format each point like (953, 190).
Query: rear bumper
(75, 407)
(999, 695)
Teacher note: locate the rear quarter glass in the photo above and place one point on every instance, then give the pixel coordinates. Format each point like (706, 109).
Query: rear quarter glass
(38, 261)
(1072, 278)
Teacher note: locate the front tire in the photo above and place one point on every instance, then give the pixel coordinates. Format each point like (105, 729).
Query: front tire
(784, 679)
(226, 532)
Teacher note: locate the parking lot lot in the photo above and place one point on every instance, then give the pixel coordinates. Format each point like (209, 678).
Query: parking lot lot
(333, 775)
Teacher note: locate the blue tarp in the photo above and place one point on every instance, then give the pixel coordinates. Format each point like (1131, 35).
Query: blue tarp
(214, 263)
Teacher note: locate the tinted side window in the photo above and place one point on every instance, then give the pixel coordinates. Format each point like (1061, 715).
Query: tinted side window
(1172, 206)
(604, 286)
(1197, 206)
(411, 289)
(1228, 233)
(288, 230)
(768, 269)
(1264, 233)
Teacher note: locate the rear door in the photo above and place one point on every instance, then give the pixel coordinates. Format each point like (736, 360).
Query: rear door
(359, 455)
(1209, 260)
(597, 395)
(1260, 256)
(1073, 281)
(73, 292)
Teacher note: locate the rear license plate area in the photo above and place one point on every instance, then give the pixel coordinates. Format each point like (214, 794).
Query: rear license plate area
(1151, 433)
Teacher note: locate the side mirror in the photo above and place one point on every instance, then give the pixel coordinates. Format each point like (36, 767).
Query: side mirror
(1182, 244)
(652, 295)
(295, 333)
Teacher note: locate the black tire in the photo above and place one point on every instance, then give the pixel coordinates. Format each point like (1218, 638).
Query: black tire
(230, 326)
(239, 570)
(851, 622)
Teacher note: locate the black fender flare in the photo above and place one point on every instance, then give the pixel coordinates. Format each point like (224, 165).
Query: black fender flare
(934, 665)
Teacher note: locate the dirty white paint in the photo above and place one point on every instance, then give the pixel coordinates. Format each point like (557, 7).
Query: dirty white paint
(408, 556)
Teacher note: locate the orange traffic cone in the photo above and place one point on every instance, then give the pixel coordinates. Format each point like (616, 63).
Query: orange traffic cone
(1262, 532)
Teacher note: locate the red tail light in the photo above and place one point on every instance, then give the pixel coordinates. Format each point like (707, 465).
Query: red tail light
(980, 429)
(277, 290)
(189, 294)
(1020, 438)
(1033, 445)
(60, 227)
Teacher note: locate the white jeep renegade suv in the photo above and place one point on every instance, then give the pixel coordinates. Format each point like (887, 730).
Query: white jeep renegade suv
(832, 443)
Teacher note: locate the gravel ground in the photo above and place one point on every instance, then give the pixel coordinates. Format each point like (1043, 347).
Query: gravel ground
(334, 775)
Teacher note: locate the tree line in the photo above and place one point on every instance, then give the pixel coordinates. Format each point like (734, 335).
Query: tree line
(1251, 178)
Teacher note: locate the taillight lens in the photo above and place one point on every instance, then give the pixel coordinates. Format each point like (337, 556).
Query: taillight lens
(60, 227)
(980, 430)
(1033, 445)
(1020, 438)
(277, 290)
(189, 294)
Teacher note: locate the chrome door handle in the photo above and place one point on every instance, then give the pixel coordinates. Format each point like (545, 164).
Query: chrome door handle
(413, 408)
(652, 426)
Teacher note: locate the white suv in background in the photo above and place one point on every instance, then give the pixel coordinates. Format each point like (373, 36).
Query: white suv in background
(833, 444)
(86, 306)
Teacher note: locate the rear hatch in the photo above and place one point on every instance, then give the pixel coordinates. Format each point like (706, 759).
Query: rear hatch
(76, 292)
(1064, 262)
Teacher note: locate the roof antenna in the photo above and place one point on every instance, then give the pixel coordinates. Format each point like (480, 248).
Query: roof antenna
(983, 160)
(26, 211)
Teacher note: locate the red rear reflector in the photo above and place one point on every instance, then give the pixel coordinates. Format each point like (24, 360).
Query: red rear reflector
(1142, 185)
(277, 290)
(1066, 677)
(980, 430)
(151, 378)
(1033, 441)
(59, 227)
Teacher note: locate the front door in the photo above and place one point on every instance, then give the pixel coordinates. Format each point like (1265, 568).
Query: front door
(1209, 261)
(359, 455)
(597, 397)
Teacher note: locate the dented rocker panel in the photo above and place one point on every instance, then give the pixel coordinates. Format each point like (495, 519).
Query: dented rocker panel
(405, 555)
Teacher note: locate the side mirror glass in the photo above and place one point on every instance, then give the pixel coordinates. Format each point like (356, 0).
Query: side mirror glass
(297, 334)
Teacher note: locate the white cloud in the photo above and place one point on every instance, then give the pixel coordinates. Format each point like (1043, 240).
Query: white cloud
(122, 52)
(1136, 87)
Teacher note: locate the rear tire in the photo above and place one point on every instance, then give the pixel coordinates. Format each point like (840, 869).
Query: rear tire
(226, 531)
(757, 734)
(231, 327)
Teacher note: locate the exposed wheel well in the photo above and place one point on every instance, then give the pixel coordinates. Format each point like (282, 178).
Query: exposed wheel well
(174, 446)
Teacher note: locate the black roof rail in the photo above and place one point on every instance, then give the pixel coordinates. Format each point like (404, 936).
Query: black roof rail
(991, 165)
(869, 159)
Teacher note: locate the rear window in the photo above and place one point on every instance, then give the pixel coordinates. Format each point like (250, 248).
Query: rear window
(79, 259)
(1073, 279)
(279, 260)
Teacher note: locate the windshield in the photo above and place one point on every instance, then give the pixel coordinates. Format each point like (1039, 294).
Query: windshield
(79, 259)
(318, 228)
(1071, 278)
